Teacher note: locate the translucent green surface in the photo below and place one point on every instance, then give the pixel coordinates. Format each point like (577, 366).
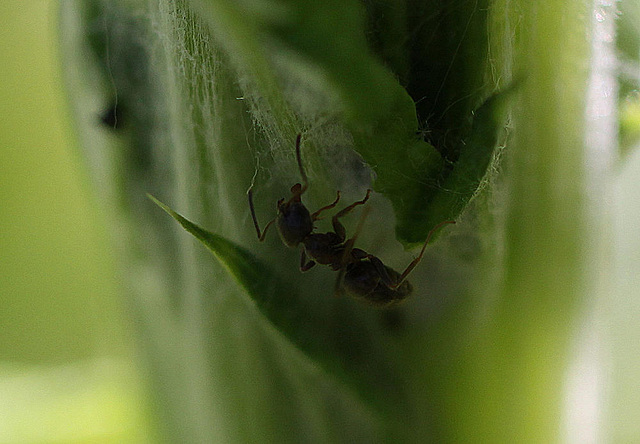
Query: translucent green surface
(66, 373)
(524, 313)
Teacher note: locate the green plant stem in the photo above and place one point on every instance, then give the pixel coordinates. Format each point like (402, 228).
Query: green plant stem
(464, 364)
(518, 369)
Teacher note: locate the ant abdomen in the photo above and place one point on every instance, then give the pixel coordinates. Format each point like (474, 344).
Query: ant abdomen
(365, 280)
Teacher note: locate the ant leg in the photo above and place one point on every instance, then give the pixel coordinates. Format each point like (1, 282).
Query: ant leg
(348, 249)
(337, 226)
(316, 215)
(348, 246)
(255, 219)
(415, 262)
(304, 265)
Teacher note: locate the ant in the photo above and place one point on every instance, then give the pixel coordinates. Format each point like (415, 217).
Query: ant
(363, 275)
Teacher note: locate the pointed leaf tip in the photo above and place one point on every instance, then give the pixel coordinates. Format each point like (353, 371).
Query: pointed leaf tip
(275, 298)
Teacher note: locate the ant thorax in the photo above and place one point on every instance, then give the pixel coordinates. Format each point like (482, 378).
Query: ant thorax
(325, 248)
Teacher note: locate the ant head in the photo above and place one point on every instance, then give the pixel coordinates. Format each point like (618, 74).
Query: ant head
(293, 221)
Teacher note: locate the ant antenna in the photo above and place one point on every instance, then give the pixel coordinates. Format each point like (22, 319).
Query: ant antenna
(260, 234)
(303, 175)
(415, 262)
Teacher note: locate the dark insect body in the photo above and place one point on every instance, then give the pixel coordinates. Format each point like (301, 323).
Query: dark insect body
(361, 274)
(364, 276)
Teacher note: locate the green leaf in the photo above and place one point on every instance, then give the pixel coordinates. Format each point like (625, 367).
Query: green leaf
(476, 154)
(277, 300)
(284, 309)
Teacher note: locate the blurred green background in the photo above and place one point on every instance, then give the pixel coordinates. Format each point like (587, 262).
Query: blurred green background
(68, 369)
(66, 355)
